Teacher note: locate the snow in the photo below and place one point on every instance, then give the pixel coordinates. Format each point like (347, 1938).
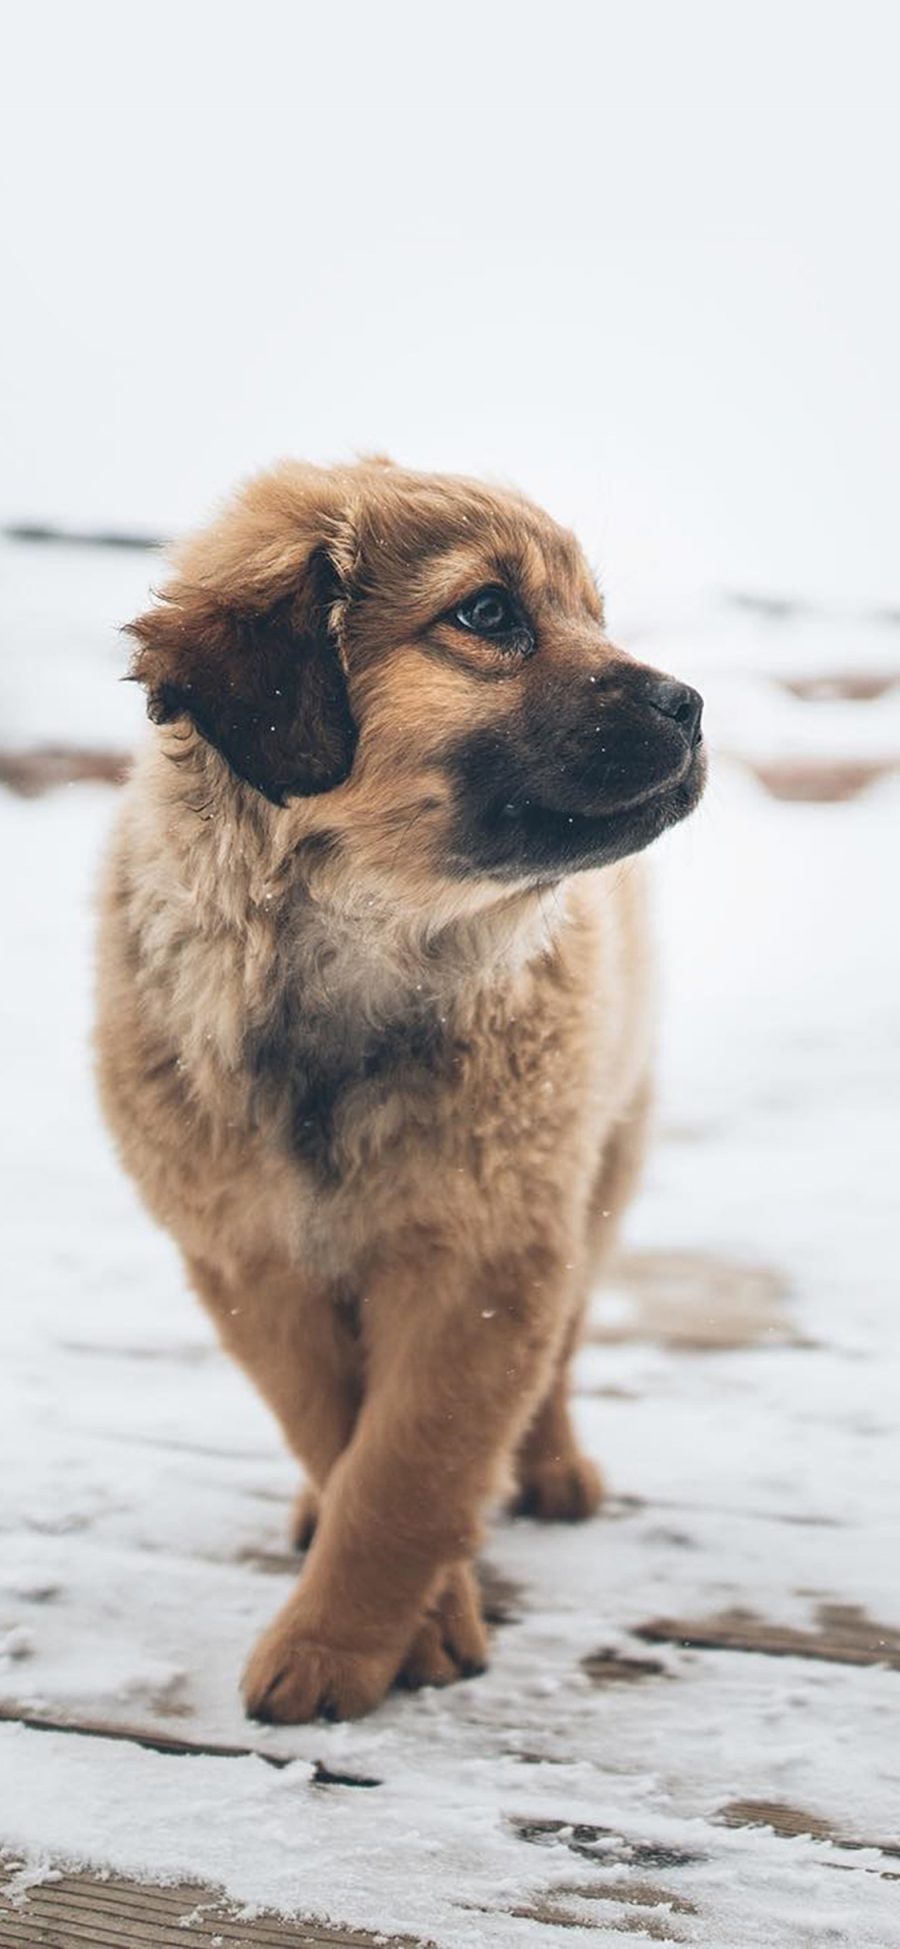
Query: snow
(144, 1519)
(646, 278)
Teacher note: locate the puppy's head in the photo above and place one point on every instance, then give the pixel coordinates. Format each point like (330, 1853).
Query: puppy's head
(418, 666)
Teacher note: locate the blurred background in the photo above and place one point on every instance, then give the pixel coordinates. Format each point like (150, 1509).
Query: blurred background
(640, 261)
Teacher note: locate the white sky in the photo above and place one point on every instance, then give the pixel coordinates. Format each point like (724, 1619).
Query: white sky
(641, 260)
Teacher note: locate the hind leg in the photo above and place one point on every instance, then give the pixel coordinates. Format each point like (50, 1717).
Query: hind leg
(296, 1346)
(617, 1179)
(555, 1481)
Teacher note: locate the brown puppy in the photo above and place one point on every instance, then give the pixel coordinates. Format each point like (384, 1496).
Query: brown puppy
(374, 1030)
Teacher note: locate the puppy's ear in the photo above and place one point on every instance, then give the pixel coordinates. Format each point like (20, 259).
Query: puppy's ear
(264, 685)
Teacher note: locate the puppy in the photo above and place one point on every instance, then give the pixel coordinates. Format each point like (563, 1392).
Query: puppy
(375, 1016)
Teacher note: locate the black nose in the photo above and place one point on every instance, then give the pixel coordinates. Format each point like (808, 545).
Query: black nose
(679, 701)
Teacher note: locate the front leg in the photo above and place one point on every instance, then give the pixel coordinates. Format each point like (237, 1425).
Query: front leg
(454, 1372)
(292, 1340)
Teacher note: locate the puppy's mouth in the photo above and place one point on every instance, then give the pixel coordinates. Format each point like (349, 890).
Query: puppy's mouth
(524, 837)
(630, 802)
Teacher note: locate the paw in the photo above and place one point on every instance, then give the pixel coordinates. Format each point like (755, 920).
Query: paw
(304, 1517)
(560, 1489)
(291, 1677)
(451, 1641)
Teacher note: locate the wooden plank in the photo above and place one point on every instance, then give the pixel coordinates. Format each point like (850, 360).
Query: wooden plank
(859, 686)
(42, 767)
(81, 1911)
(604, 1844)
(154, 1742)
(555, 1915)
(844, 1635)
(611, 1667)
(696, 1301)
(791, 1822)
(819, 780)
(160, 1742)
(45, 532)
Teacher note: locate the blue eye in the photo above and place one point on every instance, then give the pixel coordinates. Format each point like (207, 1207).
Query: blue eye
(490, 612)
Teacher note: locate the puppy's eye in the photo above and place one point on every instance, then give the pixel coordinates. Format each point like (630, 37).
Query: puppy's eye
(490, 612)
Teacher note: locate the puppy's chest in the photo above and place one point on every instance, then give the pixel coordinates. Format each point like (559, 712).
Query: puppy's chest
(348, 1098)
(321, 1078)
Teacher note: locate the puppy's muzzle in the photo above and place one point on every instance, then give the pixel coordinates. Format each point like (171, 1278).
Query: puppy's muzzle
(592, 769)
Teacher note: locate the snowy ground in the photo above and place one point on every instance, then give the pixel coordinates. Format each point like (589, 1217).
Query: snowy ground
(741, 1386)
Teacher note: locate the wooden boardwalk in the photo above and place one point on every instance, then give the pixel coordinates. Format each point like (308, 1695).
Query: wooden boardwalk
(689, 1730)
(79, 1911)
(612, 1880)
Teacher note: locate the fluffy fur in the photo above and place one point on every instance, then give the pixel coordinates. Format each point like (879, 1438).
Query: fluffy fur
(375, 1017)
